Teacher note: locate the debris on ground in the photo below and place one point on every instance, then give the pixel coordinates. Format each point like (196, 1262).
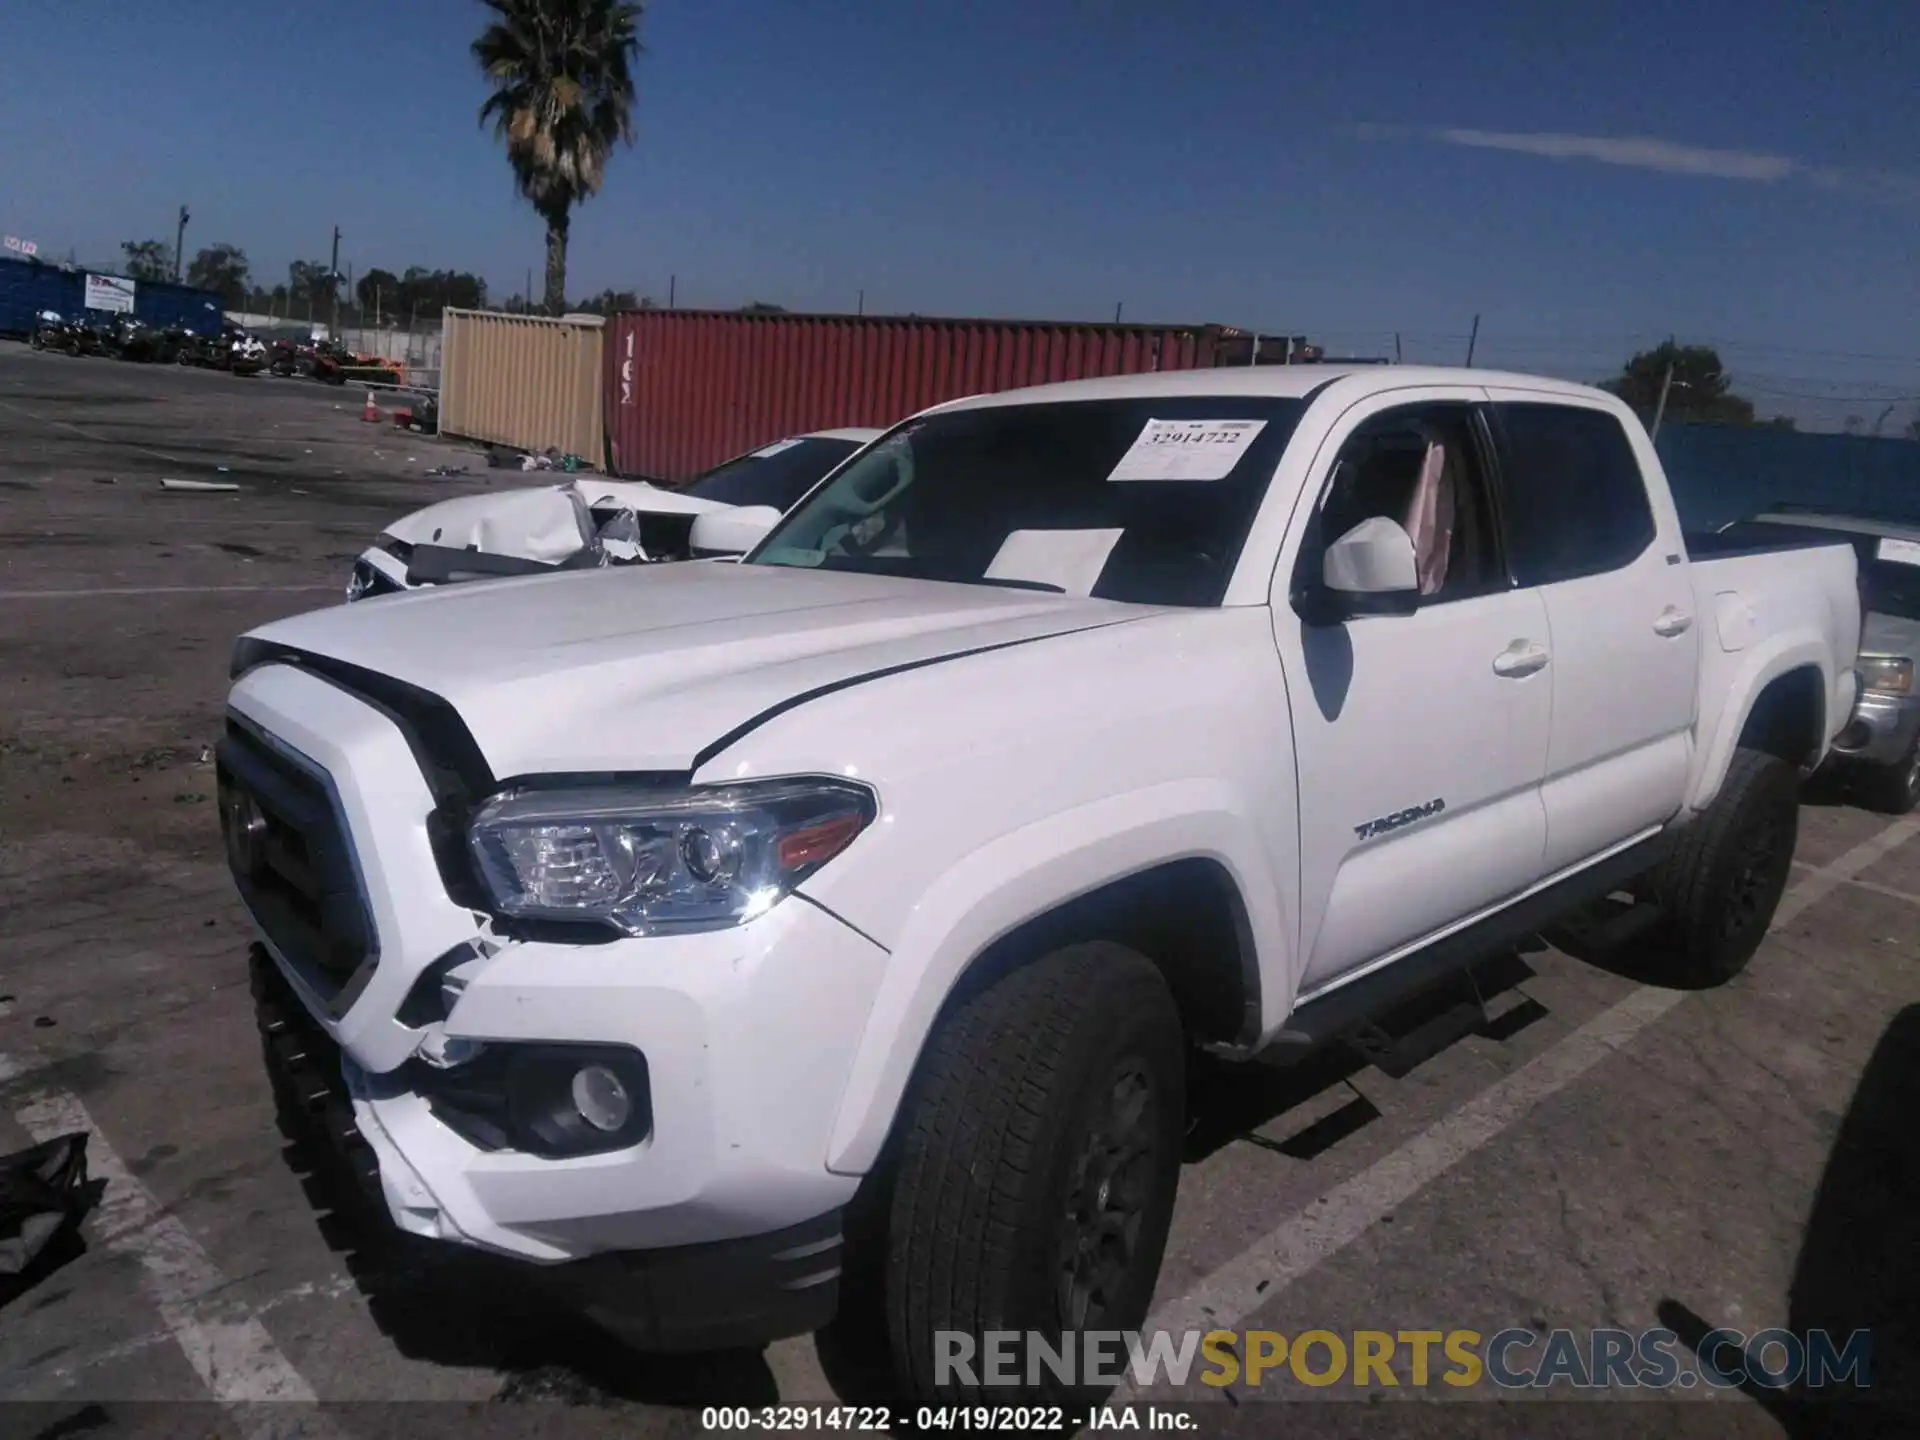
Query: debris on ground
(552, 460)
(447, 471)
(43, 1193)
(197, 485)
(106, 480)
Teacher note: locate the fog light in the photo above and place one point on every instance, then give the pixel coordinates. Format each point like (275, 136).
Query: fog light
(600, 1098)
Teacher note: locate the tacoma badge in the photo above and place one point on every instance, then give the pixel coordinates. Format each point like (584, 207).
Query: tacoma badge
(1399, 818)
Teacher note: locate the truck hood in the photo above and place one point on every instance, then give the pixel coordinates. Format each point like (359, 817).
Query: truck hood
(538, 522)
(1890, 635)
(652, 667)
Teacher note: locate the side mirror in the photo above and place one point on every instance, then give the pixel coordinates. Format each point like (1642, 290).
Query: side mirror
(1371, 570)
(733, 531)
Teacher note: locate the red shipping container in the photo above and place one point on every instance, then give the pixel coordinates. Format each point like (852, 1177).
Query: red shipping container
(687, 389)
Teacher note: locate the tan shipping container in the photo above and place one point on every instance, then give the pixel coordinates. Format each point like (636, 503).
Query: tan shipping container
(527, 381)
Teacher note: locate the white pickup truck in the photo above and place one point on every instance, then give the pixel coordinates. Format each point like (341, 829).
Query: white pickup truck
(653, 925)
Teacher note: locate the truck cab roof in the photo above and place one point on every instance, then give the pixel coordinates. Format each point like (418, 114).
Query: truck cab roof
(1276, 381)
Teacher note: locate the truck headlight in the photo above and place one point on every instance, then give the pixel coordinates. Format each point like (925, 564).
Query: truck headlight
(1886, 674)
(659, 861)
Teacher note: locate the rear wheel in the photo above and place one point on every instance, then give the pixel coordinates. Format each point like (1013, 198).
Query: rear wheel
(1723, 882)
(1036, 1172)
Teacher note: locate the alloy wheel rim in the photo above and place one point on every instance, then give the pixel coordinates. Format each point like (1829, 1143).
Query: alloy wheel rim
(1107, 1198)
(1754, 876)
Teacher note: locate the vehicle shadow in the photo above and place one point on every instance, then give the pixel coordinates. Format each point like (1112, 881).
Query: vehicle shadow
(1830, 789)
(1859, 1264)
(447, 1305)
(1242, 1100)
(1623, 938)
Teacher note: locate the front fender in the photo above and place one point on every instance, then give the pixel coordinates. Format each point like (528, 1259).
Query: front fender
(1020, 876)
(1739, 677)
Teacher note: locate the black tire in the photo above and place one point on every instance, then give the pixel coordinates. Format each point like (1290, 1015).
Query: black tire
(1723, 881)
(1020, 1085)
(1895, 790)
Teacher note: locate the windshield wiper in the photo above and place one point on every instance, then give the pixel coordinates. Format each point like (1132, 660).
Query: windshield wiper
(1017, 584)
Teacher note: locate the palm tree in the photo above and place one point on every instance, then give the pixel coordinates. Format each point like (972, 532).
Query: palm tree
(562, 77)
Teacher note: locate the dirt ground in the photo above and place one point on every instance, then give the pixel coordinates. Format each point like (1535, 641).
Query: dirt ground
(1592, 1151)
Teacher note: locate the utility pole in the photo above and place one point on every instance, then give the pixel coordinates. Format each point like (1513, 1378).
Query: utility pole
(179, 240)
(860, 305)
(1660, 410)
(1396, 347)
(333, 284)
(1472, 339)
(1116, 314)
(529, 294)
(673, 285)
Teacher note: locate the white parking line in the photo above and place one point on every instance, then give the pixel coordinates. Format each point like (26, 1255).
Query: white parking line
(235, 1359)
(1874, 889)
(1225, 1298)
(164, 590)
(19, 1384)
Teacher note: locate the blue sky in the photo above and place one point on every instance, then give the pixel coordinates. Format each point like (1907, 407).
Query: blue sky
(1584, 177)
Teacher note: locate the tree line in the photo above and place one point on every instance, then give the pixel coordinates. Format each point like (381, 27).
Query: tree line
(310, 290)
(1698, 391)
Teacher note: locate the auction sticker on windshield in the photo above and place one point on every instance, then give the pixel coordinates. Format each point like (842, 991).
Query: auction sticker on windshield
(1187, 449)
(1900, 552)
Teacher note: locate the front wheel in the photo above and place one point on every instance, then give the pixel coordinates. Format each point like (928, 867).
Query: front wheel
(1036, 1172)
(1723, 882)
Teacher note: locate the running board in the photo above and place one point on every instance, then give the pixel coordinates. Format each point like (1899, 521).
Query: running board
(1337, 1013)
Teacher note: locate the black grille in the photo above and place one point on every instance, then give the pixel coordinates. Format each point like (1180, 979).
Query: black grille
(293, 862)
(666, 537)
(368, 582)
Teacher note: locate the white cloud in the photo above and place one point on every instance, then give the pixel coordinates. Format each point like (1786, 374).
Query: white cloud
(1639, 152)
(1667, 157)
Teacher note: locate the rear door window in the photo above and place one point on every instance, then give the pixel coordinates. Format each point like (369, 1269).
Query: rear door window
(1574, 498)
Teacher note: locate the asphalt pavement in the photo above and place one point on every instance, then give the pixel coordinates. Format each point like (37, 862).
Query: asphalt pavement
(1573, 1149)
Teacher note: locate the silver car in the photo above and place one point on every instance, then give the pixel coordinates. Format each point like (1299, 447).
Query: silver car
(1880, 747)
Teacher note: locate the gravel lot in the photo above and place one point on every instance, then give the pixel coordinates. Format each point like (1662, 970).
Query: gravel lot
(1604, 1154)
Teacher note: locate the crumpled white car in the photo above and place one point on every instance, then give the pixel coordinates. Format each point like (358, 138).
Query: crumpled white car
(589, 521)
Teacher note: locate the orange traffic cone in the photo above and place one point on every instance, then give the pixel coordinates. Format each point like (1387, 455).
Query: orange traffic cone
(372, 412)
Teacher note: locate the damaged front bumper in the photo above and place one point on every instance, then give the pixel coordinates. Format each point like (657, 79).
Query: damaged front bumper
(421, 1050)
(738, 1292)
(580, 525)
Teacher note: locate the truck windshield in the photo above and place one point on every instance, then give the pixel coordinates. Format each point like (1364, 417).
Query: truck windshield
(776, 475)
(1146, 500)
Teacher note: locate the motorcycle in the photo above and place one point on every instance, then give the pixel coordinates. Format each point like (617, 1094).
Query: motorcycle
(52, 331)
(246, 355)
(291, 358)
(130, 339)
(219, 350)
(171, 344)
(331, 361)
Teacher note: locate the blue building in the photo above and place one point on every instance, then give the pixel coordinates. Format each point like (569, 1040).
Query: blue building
(29, 286)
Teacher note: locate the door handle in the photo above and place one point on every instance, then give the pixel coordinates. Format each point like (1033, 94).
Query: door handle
(1672, 622)
(1518, 659)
